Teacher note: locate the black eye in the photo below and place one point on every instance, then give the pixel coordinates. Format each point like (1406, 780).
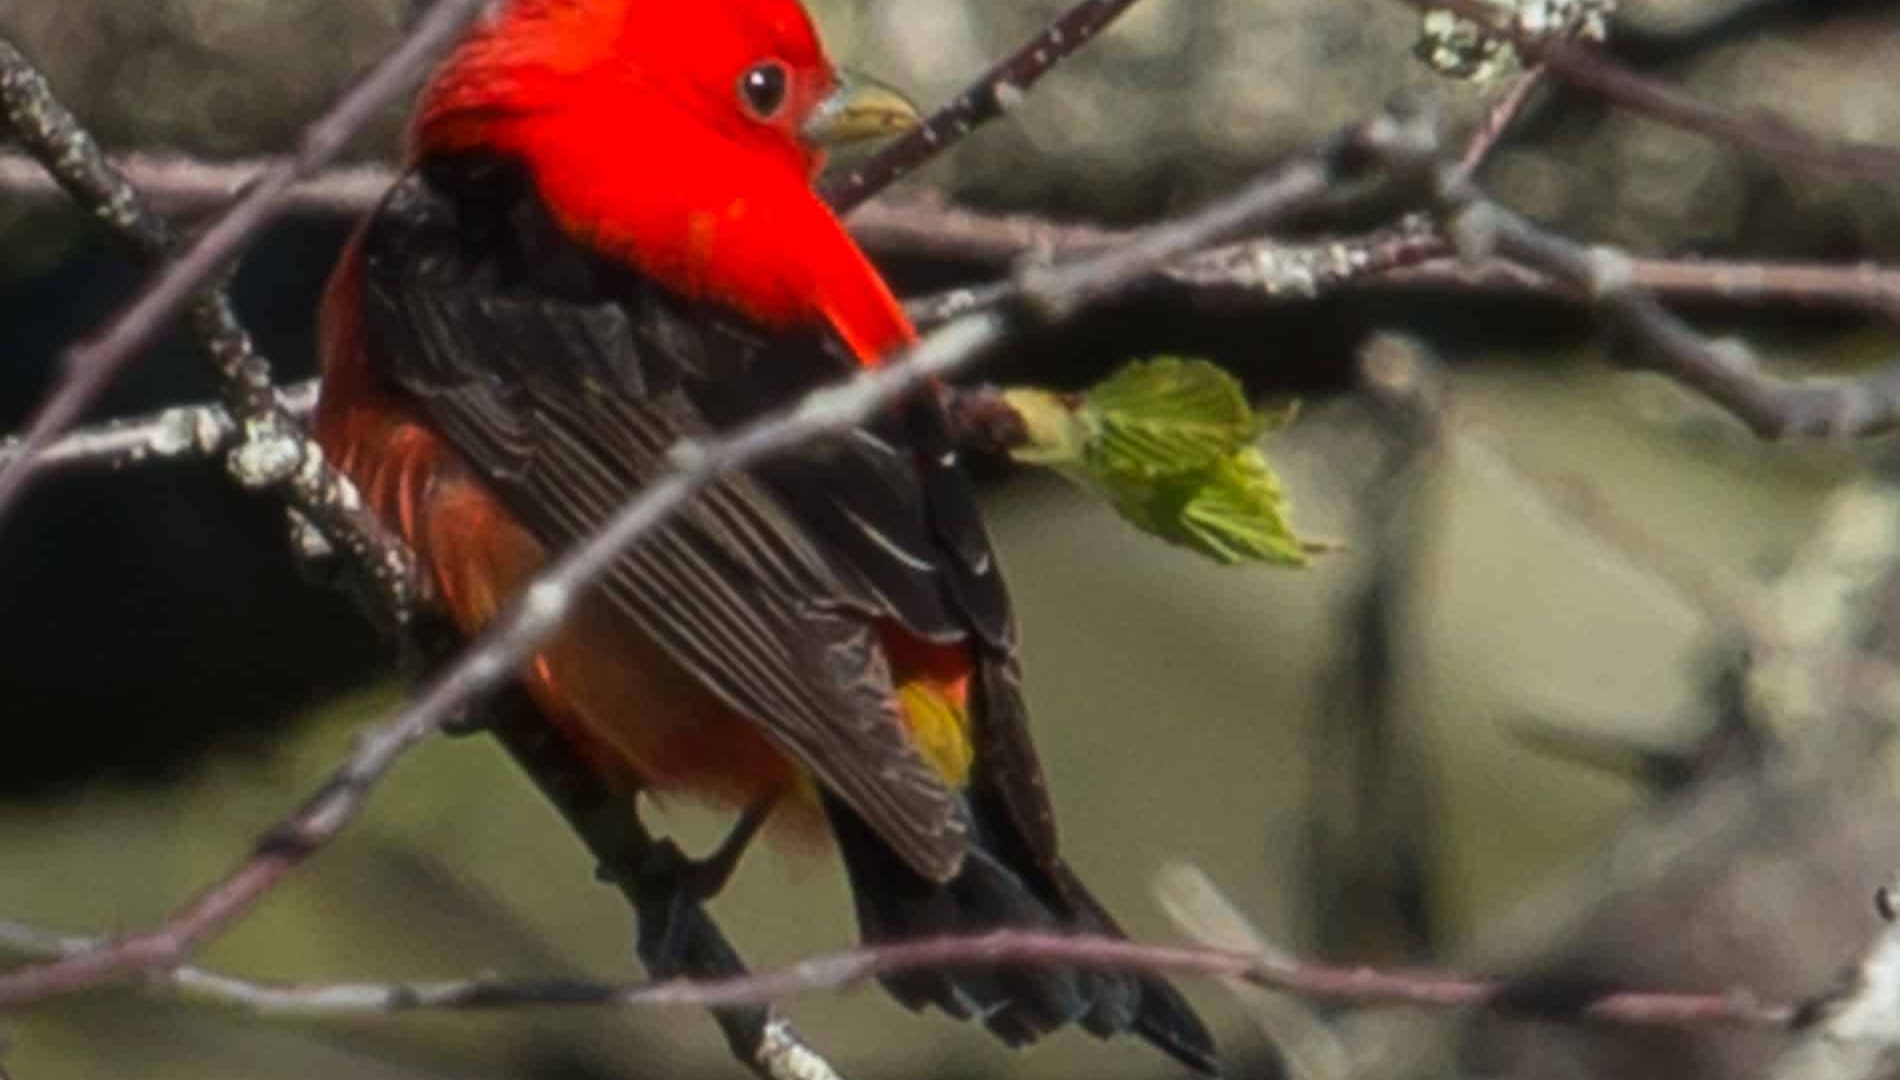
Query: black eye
(763, 87)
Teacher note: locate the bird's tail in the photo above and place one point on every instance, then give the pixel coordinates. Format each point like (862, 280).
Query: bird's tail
(1016, 1003)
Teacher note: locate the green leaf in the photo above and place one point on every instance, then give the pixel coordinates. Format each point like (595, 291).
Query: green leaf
(1170, 444)
(1165, 417)
(1239, 516)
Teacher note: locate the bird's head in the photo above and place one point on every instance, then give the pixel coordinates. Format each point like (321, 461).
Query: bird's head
(750, 73)
(682, 136)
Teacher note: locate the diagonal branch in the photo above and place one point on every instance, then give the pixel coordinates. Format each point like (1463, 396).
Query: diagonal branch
(1765, 137)
(990, 96)
(495, 656)
(1497, 120)
(267, 447)
(89, 366)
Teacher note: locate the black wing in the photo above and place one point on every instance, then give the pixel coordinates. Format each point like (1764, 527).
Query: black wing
(564, 380)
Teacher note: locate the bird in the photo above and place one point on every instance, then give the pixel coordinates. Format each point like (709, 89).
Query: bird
(607, 240)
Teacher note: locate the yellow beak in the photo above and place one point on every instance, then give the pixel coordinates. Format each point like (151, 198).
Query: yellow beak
(860, 109)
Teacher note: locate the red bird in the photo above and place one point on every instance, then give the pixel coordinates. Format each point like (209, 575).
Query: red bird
(608, 241)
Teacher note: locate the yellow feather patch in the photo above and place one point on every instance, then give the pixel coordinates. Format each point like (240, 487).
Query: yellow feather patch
(940, 725)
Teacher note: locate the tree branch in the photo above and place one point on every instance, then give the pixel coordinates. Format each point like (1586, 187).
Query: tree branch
(1498, 119)
(176, 184)
(980, 419)
(843, 970)
(1765, 137)
(89, 366)
(1726, 373)
(267, 448)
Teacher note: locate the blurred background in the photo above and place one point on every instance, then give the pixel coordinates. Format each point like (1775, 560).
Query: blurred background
(1513, 726)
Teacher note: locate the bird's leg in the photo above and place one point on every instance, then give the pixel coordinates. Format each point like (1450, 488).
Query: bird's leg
(707, 877)
(606, 819)
(689, 884)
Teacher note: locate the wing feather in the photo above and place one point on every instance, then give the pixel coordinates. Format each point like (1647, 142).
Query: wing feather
(565, 406)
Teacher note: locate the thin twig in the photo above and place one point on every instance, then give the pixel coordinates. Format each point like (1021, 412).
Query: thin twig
(266, 447)
(1279, 269)
(498, 653)
(1870, 287)
(981, 420)
(1725, 373)
(1498, 120)
(831, 972)
(927, 226)
(1765, 137)
(994, 93)
(183, 185)
(180, 433)
(89, 366)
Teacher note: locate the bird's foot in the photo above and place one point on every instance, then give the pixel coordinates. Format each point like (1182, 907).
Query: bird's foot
(673, 887)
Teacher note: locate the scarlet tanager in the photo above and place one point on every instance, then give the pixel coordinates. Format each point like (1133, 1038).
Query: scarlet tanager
(608, 241)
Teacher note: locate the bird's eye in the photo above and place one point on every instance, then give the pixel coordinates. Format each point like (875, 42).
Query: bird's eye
(762, 88)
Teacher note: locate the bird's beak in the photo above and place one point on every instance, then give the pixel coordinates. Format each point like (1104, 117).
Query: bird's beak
(861, 108)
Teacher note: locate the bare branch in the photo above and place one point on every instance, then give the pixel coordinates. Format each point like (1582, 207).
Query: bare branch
(990, 96)
(1049, 293)
(89, 366)
(267, 447)
(778, 1053)
(1277, 269)
(182, 433)
(184, 185)
(1765, 137)
(980, 418)
(1726, 373)
(1869, 287)
(1498, 120)
(843, 970)
(925, 225)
